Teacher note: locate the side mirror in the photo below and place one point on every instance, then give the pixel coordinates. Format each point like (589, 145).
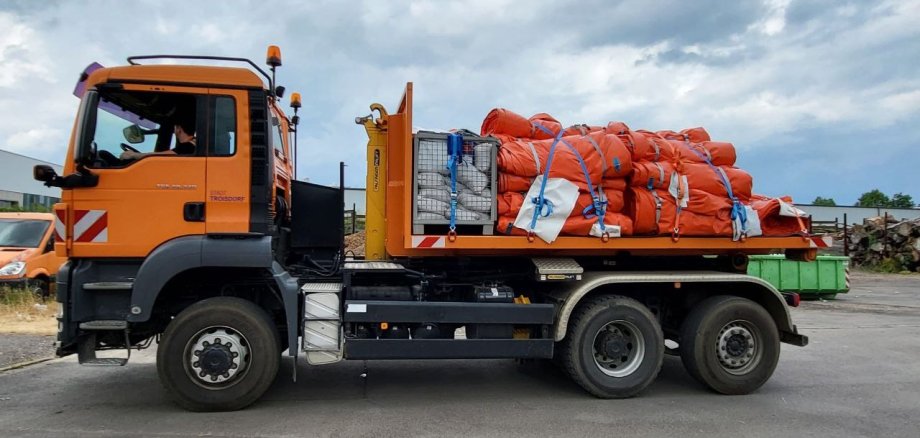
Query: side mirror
(44, 173)
(134, 134)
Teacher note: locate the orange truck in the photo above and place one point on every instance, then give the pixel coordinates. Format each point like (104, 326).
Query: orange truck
(183, 222)
(27, 255)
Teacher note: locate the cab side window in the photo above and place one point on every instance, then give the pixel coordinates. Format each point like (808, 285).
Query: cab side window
(222, 135)
(277, 136)
(120, 127)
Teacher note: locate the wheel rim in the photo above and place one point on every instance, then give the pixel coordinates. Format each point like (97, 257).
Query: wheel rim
(217, 357)
(738, 347)
(619, 348)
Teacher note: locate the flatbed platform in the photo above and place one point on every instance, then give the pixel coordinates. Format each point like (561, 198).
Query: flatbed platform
(651, 245)
(390, 192)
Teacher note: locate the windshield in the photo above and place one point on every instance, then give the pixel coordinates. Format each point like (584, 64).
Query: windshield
(22, 233)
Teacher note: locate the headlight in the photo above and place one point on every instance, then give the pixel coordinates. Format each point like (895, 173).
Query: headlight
(14, 268)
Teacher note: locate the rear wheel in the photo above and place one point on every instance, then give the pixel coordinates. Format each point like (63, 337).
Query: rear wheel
(220, 354)
(730, 344)
(614, 347)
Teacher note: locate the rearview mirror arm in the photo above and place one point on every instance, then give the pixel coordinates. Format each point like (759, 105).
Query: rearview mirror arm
(81, 178)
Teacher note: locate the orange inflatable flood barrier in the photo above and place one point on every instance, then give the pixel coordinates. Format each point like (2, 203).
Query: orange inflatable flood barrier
(634, 170)
(599, 154)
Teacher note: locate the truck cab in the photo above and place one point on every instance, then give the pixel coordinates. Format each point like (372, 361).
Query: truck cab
(27, 256)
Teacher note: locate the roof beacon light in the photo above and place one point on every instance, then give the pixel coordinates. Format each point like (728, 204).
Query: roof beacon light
(273, 57)
(295, 100)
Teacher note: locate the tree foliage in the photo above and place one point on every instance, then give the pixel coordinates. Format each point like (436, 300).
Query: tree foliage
(873, 198)
(36, 208)
(824, 202)
(901, 200)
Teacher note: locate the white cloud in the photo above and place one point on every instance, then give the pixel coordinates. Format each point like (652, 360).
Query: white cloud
(21, 54)
(36, 141)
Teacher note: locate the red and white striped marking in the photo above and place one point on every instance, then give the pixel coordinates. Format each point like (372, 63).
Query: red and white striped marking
(821, 241)
(428, 241)
(60, 225)
(91, 226)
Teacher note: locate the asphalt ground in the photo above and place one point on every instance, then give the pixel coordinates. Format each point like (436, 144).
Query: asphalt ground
(20, 348)
(860, 376)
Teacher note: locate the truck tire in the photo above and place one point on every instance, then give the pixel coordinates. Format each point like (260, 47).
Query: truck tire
(730, 344)
(614, 347)
(219, 354)
(40, 287)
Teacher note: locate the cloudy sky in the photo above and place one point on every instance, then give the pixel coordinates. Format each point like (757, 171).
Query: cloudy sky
(820, 97)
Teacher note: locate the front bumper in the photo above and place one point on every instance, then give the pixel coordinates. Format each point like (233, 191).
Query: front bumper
(14, 282)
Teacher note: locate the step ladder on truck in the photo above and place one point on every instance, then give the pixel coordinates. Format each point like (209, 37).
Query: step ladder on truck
(227, 260)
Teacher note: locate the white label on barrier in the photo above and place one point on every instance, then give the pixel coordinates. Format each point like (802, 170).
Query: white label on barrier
(357, 308)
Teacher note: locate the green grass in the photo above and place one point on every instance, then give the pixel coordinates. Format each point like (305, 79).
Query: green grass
(887, 266)
(22, 311)
(359, 224)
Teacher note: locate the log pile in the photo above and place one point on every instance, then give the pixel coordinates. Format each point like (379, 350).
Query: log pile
(880, 242)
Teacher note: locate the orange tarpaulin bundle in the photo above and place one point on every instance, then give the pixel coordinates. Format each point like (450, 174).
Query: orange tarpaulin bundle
(574, 226)
(603, 156)
(513, 183)
(654, 174)
(699, 177)
(694, 135)
(548, 123)
(719, 153)
(509, 203)
(705, 178)
(614, 184)
(658, 215)
(505, 122)
(581, 130)
(656, 148)
(502, 122)
(772, 223)
(638, 144)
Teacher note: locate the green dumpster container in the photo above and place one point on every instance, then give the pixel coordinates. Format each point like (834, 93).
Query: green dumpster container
(824, 278)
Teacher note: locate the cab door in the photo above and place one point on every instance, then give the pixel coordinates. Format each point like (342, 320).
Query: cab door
(229, 164)
(139, 204)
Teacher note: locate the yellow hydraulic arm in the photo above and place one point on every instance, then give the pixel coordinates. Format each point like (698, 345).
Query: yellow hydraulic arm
(376, 200)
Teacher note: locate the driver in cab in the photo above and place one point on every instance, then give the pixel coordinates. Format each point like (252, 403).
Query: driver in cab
(185, 142)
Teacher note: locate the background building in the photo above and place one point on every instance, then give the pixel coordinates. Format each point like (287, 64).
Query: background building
(17, 187)
(356, 197)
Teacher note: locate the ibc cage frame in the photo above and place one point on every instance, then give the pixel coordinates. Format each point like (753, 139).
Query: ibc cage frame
(477, 177)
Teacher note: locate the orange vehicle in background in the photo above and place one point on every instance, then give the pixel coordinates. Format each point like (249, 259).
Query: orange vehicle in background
(27, 256)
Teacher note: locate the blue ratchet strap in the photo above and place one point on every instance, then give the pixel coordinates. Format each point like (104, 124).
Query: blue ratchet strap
(738, 211)
(454, 155)
(600, 207)
(540, 201)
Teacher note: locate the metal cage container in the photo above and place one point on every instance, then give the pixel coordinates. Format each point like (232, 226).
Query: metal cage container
(476, 184)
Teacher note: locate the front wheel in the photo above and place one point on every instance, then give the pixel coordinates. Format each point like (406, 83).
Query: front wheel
(729, 344)
(220, 354)
(614, 348)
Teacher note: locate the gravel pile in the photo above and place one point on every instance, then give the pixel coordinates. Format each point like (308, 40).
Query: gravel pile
(354, 243)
